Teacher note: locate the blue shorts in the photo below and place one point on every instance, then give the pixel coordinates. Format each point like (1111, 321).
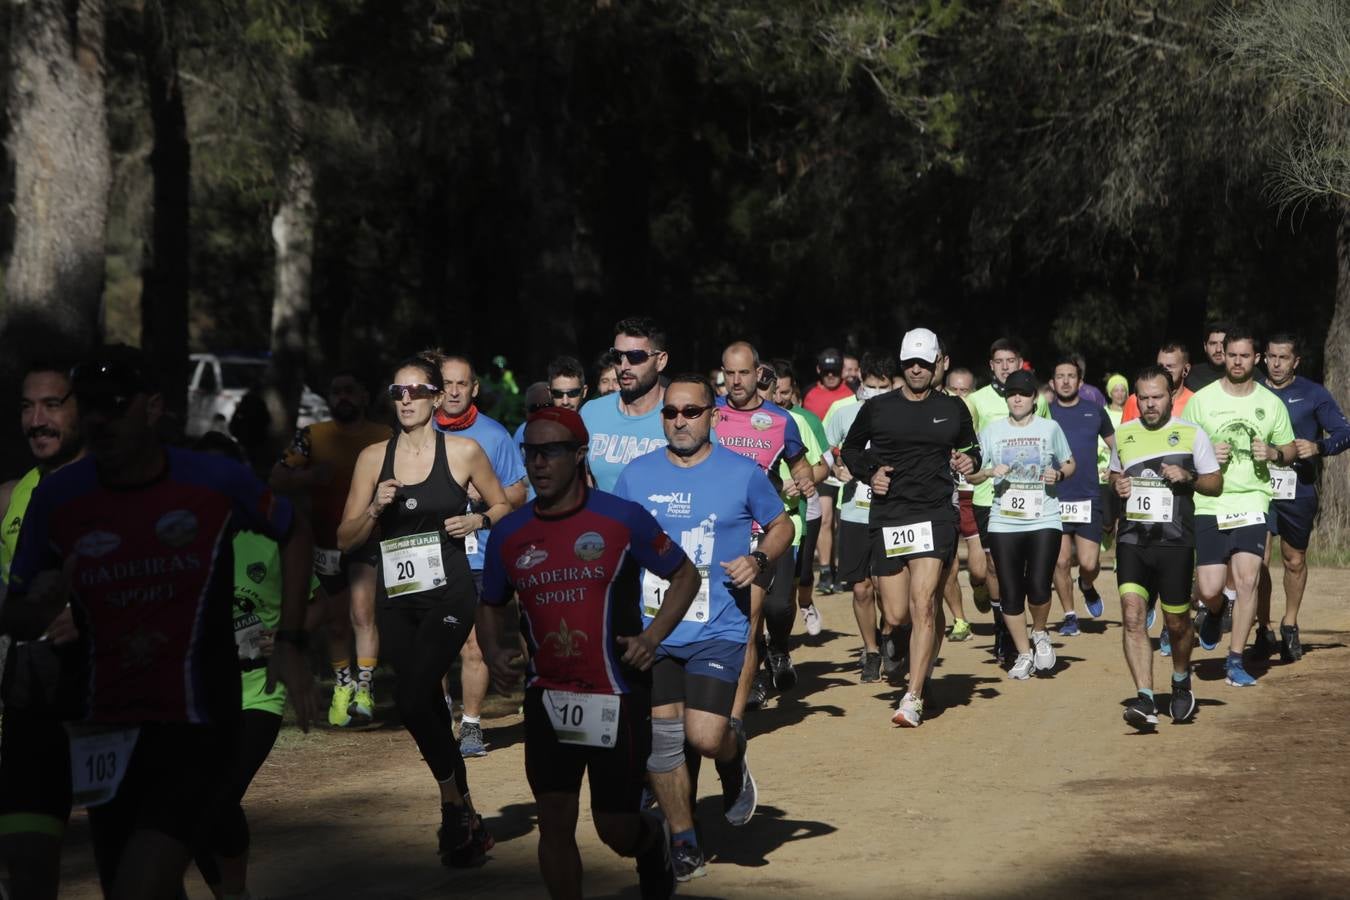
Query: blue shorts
(1214, 547)
(701, 675)
(1090, 530)
(1292, 520)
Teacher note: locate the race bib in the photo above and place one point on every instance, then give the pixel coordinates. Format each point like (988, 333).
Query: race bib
(1229, 521)
(471, 543)
(906, 540)
(98, 761)
(1079, 512)
(863, 498)
(248, 631)
(1150, 501)
(1023, 500)
(654, 592)
(1283, 482)
(588, 719)
(412, 564)
(327, 562)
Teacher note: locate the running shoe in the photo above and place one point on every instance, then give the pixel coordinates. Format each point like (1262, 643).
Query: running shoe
(363, 705)
(980, 593)
(1291, 649)
(759, 690)
(960, 632)
(656, 874)
(1021, 669)
(1152, 615)
(811, 616)
(1069, 627)
(1264, 646)
(338, 715)
(1183, 702)
(780, 668)
(824, 586)
(1165, 644)
(471, 740)
(908, 712)
(871, 667)
(1228, 614)
(739, 801)
(687, 861)
(1092, 598)
(1141, 713)
(455, 837)
(1208, 628)
(1044, 653)
(1237, 676)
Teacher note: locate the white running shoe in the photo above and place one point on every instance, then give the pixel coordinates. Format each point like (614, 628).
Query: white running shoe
(1021, 669)
(908, 712)
(811, 616)
(1044, 653)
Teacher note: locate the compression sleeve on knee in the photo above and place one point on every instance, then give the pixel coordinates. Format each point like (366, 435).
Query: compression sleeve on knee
(667, 745)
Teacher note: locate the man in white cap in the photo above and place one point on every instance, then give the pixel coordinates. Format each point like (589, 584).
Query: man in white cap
(906, 445)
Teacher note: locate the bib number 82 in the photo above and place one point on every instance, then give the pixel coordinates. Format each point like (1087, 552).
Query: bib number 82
(1017, 503)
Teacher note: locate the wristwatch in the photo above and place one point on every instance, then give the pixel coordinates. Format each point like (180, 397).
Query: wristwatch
(760, 558)
(487, 522)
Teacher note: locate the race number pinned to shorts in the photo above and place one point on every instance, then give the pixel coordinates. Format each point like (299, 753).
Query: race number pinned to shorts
(1076, 513)
(1283, 482)
(471, 543)
(1023, 500)
(1229, 521)
(906, 540)
(248, 632)
(588, 719)
(327, 562)
(98, 761)
(863, 498)
(412, 564)
(654, 592)
(1150, 501)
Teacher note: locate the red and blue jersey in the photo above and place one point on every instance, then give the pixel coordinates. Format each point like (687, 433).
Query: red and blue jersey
(577, 577)
(152, 580)
(767, 434)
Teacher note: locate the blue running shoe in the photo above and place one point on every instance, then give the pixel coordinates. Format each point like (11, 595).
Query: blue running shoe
(1165, 644)
(1069, 627)
(1152, 616)
(1208, 628)
(1092, 598)
(1237, 676)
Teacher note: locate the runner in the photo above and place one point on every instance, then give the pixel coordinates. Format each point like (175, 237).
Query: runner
(951, 588)
(1174, 357)
(574, 558)
(1024, 457)
(318, 465)
(409, 494)
(852, 371)
(1250, 429)
(1085, 390)
(1320, 430)
(766, 433)
(135, 538)
(1116, 390)
(567, 382)
(459, 415)
(961, 383)
(1160, 463)
(537, 397)
(34, 751)
(1083, 422)
(710, 497)
(629, 425)
(1216, 365)
(831, 387)
(606, 375)
(904, 445)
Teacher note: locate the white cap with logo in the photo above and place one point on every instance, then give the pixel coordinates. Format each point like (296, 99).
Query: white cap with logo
(919, 343)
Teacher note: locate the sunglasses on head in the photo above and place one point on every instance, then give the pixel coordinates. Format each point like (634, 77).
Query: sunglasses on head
(413, 391)
(689, 412)
(548, 449)
(634, 357)
(559, 393)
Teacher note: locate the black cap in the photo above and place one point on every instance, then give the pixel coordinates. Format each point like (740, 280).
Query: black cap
(1021, 382)
(830, 360)
(115, 370)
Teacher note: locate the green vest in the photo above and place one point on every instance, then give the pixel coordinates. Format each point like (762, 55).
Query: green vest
(13, 521)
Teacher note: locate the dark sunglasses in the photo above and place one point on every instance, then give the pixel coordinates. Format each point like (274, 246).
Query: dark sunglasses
(689, 412)
(559, 393)
(414, 391)
(634, 357)
(548, 450)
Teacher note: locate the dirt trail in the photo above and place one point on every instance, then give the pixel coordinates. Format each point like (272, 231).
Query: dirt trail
(1008, 789)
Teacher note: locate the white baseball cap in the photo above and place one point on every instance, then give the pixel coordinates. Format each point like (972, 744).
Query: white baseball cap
(919, 343)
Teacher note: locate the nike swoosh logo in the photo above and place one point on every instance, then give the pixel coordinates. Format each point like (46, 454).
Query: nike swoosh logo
(1295, 399)
(938, 421)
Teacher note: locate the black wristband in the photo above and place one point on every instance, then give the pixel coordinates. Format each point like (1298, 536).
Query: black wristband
(293, 636)
(760, 558)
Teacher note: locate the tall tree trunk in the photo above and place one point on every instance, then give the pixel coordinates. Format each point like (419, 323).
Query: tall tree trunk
(62, 173)
(1336, 473)
(165, 277)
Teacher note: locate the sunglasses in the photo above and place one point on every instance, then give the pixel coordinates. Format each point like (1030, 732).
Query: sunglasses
(634, 357)
(413, 391)
(689, 412)
(559, 393)
(548, 450)
(535, 407)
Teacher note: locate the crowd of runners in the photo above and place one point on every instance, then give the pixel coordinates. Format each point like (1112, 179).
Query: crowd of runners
(647, 540)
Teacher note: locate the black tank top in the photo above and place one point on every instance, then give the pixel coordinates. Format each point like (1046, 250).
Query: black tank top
(422, 509)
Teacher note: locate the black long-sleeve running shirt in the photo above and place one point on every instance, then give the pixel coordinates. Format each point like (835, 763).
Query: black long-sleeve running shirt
(916, 439)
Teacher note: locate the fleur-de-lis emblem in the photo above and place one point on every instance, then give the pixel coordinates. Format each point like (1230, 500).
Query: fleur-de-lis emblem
(565, 640)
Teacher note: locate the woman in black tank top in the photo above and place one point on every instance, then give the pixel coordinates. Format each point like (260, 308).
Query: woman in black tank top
(408, 495)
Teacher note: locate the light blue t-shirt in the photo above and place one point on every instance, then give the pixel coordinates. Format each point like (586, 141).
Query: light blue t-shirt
(837, 423)
(617, 439)
(507, 464)
(708, 509)
(1020, 494)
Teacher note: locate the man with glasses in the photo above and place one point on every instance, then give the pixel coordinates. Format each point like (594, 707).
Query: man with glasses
(906, 445)
(35, 790)
(629, 425)
(566, 382)
(709, 497)
(136, 538)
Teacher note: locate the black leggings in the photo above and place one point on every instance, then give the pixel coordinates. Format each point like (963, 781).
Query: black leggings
(1025, 561)
(226, 829)
(780, 602)
(421, 644)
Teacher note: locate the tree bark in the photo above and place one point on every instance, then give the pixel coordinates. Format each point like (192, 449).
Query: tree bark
(1336, 473)
(62, 174)
(165, 277)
